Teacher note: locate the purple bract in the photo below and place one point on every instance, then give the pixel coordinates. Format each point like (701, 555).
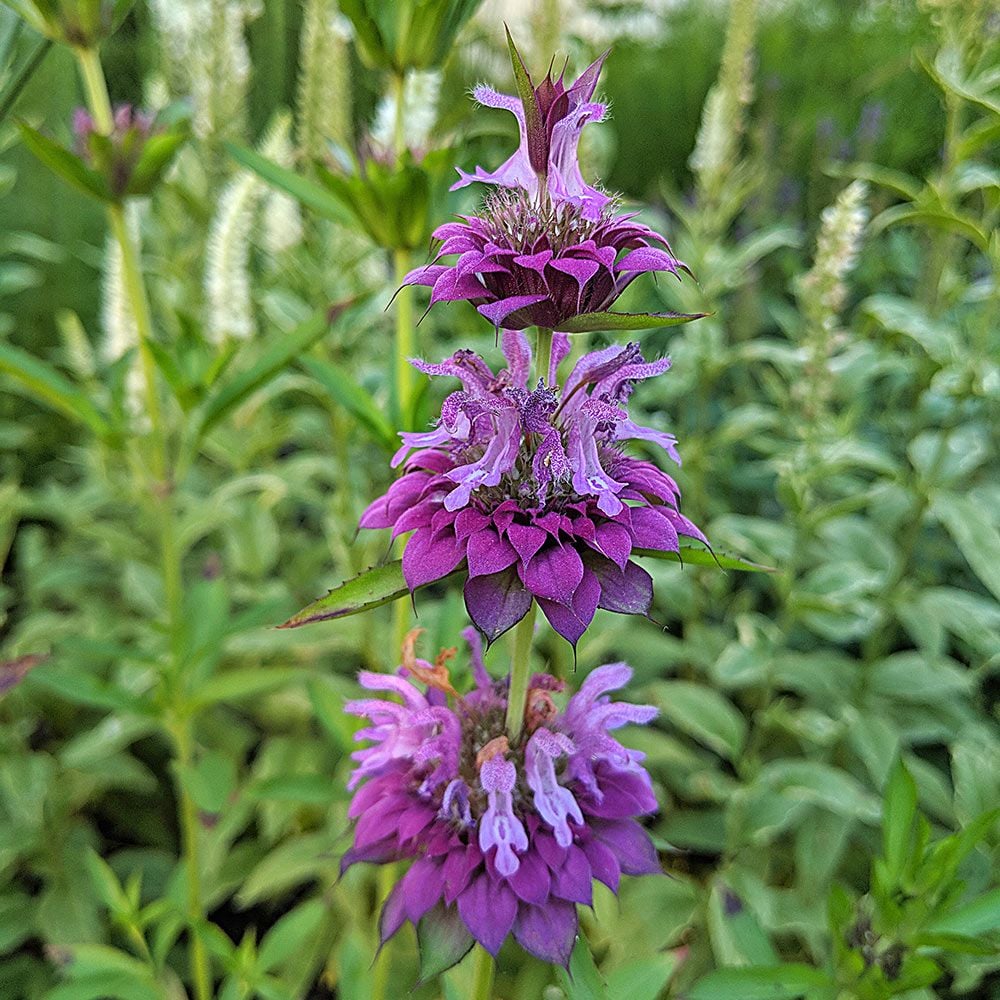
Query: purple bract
(547, 246)
(531, 491)
(508, 839)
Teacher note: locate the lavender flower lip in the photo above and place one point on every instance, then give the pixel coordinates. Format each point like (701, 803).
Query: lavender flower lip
(531, 491)
(509, 837)
(547, 246)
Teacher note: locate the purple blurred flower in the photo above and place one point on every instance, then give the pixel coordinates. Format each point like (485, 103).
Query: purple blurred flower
(547, 246)
(506, 839)
(531, 491)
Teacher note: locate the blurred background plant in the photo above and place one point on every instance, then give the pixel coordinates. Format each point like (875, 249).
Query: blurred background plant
(172, 803)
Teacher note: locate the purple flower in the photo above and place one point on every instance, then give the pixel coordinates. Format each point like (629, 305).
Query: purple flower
(530, 491)
(507, 840)
(547, 246)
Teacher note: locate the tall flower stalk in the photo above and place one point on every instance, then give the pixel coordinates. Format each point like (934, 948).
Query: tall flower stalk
(160, 487)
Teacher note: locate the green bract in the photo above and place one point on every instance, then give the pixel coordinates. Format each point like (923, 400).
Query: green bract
(409, 34)
(81, 23)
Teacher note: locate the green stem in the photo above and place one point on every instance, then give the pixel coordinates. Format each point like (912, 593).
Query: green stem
(405, 347)
(520, 673)
(200, 969)
(161, 489)
(543, 353)
(399, 124)
(384, 882)
(482, 983)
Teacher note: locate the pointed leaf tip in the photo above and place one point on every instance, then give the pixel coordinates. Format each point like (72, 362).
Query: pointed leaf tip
(589, 322)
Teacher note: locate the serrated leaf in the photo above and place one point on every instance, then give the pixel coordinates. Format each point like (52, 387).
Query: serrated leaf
(371, 589)
(443, 940)
(590, 322)
(51, 387)
(695, 554)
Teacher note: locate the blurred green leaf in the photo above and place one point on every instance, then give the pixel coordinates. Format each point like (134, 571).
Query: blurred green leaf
(345, 391)
(899, 812)
(975, 534)
(290, 935)
(704, 714)
(282, 350)
(65, 164)
(308, 192)
(783, 982)
(50, 387)
(582, 981)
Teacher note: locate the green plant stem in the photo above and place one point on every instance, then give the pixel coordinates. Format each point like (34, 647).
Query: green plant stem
(99, 106)
(520, 672)
(399, 123)
(200, 969)
(482, 983)
(384, 882)
(543, 353)
(404, 346)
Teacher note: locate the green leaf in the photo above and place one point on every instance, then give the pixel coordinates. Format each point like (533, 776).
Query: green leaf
(898, 814)
(582, 981)
(937, 218)
(371, 589)
(344, 389)
(781, 982)
(307, 192)
(643, 979)
(589, 322)
(291, 934)
(823, 785)
(307, 789)
(695, 554)
(19, 80)
(895, 180)
(737, 937)
(65, 164)
(978, 917)
(49, 386)
(974, 533)
(211, 781)
(704, 714)
(443, 941)
(245, 682)
(280, 353)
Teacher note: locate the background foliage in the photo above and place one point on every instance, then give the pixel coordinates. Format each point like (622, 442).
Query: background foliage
(827, 750)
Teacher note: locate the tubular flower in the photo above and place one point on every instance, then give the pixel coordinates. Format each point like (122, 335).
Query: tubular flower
(530, 490)
(503, 839)
(547, 246)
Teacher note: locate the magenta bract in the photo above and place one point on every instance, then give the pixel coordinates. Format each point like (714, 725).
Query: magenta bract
(530, 490)
(511, 838)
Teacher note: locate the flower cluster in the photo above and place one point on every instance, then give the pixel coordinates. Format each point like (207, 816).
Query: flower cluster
(547, 246)
(511, 837)
(529, 488)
